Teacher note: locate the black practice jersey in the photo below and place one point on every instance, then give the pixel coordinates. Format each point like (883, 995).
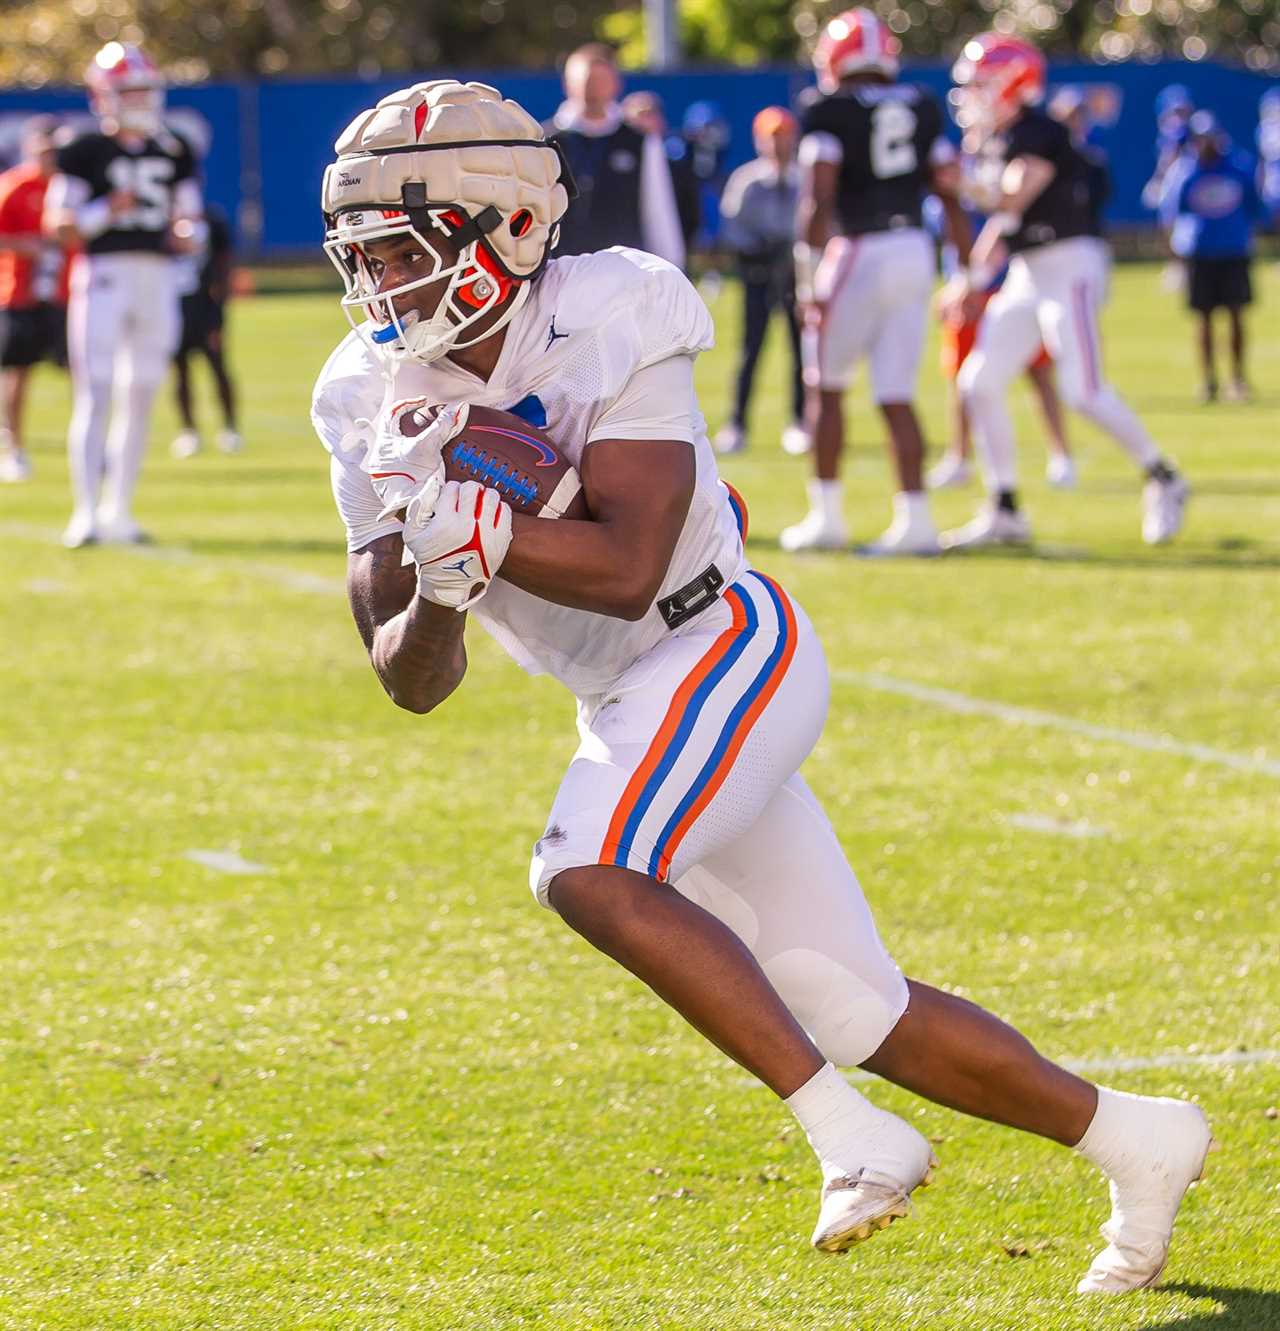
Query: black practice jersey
(888, 136)
(149, 170)
(1063, 210)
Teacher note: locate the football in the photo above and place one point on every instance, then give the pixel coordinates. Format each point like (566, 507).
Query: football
(517, 459)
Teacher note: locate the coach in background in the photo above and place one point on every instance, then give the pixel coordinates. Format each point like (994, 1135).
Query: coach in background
(1211, 203)
(757, 228)
(625, 191)
(33, 305)
(644, 112)
(204, 284)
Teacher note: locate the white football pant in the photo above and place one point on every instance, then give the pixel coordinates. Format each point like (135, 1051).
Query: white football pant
(123, 323)
(876, 290)
(1051, 295)
(686, 771)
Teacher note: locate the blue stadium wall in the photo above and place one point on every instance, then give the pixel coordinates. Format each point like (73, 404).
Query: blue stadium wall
(271, 140)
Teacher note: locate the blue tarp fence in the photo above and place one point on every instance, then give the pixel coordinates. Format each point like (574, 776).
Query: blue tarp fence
(268, 142)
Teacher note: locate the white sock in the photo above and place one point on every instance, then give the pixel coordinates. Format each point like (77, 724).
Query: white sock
(911, 506)
(835, 1118)
(1117, 1133)
(827, 498)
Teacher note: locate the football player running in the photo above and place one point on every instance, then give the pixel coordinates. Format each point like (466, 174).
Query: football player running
(1040, 218)
(683, 842)
(128, 195)
(871, 150)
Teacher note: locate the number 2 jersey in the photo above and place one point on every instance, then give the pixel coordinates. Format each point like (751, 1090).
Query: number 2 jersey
(602, 348)
(885, 138)
(151, 170)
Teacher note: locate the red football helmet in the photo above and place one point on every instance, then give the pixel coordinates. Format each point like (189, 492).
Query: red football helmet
(126, 91)
(995, 76)
(855, 42)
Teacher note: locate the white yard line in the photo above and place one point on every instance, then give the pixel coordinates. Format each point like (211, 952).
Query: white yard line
(299, 581)
(293, 579)
(1030, 716)
(225, 861)
(1043, 822)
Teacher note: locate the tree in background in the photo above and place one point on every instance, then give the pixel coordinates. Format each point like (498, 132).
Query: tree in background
(51, 41)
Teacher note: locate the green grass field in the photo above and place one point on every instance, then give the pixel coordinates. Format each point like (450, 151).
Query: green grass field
(368, 1085)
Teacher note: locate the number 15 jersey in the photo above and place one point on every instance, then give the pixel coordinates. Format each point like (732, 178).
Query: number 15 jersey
(885, 138)
(150, 170)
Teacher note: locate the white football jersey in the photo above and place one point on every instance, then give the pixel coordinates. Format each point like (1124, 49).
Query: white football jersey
(603, 348)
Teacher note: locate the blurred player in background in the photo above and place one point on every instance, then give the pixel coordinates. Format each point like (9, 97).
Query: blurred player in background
(704, 133)
(129, 195)
(1040, 214)
(204, 284)
(683, 841)
(757, 228)
(871, 148)
(1211, 205)
(625, 191)
(960, 321)
(1268, 139)
(1174, 108)
(33, 301)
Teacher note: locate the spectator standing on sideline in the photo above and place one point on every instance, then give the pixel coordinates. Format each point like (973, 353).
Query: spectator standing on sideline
(1211, 203)
(644, 112)
(757, 216)
(33, 301)
(1174, 109)
(704, 138)
(625, 191)
(1269, 150)
(204, 283)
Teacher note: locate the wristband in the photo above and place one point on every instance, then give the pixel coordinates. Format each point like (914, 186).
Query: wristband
(1007, 223)
(981, 276)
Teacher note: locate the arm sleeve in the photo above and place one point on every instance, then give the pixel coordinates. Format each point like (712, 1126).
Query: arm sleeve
(358, 506)
(735, 229)
(659, 217)
(656, 402)
(820, 146)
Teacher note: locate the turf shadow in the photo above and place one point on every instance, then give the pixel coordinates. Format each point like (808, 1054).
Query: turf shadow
(1243, 1309)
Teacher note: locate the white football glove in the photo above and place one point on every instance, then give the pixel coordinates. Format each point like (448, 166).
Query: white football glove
(458, 539)
(406, 457)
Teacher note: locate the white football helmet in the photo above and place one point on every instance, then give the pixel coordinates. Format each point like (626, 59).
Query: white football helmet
(126, 91)
(457, 159)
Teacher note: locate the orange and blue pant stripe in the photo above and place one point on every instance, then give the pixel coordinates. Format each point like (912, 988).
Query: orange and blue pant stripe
(687, 705)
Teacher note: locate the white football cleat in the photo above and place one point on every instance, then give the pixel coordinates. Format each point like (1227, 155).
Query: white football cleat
(815, 531)
(729, 439)
(120, 529)
(905, 537)
(992, 526)
(185, 445)
(230, 441)
(950, 472)
(14, 468)
(81, 530)
(796, 440)
(857, 1204)
(1145, 1203)
(1163, 505)
(1060, 471)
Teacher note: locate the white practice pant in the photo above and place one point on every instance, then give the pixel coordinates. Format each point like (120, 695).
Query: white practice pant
(123, 323)
(875, 290)
(1051, 295)
(686, 771)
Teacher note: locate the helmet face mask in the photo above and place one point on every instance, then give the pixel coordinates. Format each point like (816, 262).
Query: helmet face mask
(996, 77)
(126, 91)
(396, 325)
